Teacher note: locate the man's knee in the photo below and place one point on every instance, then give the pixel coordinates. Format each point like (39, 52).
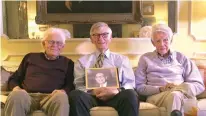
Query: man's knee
(75, 94)
(60, 97)
(19, 95)
(129, 95)
(176, 95)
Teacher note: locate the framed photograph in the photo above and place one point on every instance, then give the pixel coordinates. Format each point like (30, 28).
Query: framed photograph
(101, 77)
(88, 12)
(148, 8)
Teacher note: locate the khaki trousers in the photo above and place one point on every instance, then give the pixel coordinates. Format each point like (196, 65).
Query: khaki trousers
(21, 103)
(174, 98)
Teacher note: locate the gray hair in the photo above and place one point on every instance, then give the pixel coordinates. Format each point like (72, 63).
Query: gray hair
(98, 25)
(162, 28)
(53, 30)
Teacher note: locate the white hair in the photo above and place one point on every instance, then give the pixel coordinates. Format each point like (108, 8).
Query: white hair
(162, 28)
(99, 25)
(53, 30)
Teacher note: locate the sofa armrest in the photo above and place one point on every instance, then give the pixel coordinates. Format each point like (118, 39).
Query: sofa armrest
(201, 64)
(3, 98)
(6, 93)
(202, 95)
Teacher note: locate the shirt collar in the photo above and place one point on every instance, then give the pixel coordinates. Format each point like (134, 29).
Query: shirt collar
(171, 51)
(106, 53)
(50, 58)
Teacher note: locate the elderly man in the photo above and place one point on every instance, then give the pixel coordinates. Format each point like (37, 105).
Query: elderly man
(123, 99)
(167, 77)
(43, 80)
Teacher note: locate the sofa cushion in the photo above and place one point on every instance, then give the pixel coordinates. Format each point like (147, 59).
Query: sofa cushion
(145, 109)
(201, 64)
(202, 104)
(4, 78)
(202, 95)
(6, 70)
(103, 111)
(145, 105)
(38, 113)
(202, 69)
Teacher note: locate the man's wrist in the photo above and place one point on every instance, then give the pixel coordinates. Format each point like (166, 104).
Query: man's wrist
(121, 89)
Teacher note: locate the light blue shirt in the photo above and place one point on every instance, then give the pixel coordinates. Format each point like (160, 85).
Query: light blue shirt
(154, 71)
(111, 60)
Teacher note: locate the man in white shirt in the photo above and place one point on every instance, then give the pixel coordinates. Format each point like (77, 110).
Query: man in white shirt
(124, 99)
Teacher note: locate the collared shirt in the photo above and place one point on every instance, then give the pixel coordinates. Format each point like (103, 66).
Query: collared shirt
(152, 73)
(165, 60)
(111, 60)
(46, 56)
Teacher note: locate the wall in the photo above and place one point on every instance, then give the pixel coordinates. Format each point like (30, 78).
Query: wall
(1, 19)
(184, 41)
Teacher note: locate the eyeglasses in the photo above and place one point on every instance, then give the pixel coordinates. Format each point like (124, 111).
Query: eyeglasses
(104, 35)
(52, 42)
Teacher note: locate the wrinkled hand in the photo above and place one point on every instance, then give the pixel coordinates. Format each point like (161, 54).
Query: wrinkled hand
(17, 88)
(167, 87)
(60, 90)
(170, 86)
(96, 91)
(105, 93)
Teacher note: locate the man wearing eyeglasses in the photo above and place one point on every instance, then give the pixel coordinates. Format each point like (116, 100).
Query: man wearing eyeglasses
(43, 80)
(124, 99)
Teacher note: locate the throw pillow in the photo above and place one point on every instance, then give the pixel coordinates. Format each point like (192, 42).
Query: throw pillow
(201, 64)
(4, 78)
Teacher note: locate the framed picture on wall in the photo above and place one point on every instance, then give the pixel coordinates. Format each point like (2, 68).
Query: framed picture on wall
(101, 77)
(148, 8)
(88, 12)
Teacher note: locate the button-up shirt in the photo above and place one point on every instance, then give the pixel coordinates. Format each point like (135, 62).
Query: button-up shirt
(153, 72)
(111, 60)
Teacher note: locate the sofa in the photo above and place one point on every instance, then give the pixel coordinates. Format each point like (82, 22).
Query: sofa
(146, 109)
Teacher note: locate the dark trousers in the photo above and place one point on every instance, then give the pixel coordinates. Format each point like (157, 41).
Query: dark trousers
(125, 102)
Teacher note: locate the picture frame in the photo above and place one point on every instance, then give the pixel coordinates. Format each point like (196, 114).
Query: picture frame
(46, 16)
(148, 8)
(101, 77)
